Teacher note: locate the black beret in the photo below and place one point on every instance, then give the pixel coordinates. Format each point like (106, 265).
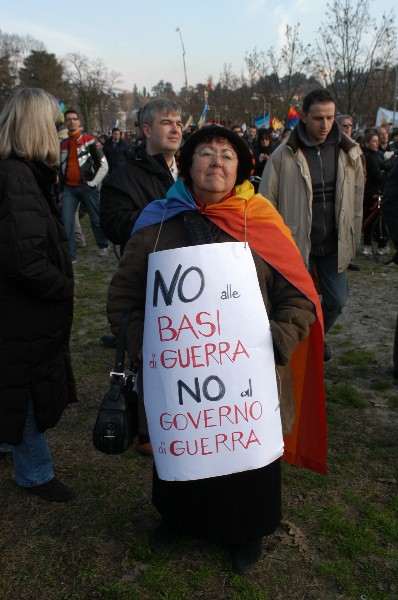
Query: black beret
(245, 156)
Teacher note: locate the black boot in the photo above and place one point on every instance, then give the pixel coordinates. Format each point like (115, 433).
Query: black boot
(164, 538)
(353, 267)
(245, 557)
(109, 340)
(52, 491)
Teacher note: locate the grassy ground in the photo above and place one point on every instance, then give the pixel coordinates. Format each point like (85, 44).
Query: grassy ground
(339, 537)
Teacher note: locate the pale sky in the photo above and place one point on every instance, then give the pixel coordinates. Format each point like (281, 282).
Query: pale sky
(139, 39)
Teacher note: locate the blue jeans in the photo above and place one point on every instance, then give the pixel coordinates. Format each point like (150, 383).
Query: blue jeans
(33, 463)
(333, 286)
(90, 198)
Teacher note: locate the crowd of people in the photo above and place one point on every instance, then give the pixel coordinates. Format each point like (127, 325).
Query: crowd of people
(159, 188)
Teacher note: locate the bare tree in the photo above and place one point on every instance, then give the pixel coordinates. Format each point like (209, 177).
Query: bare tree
(257, 66)
(277, 77)
(289, 69)
(349, 47)
(13, 50)
(95, 88)
(226, 108)
(19, 48)
(228, 79)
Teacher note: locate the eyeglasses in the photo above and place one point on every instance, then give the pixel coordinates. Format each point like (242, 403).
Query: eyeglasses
(346, 125)
(207, 156)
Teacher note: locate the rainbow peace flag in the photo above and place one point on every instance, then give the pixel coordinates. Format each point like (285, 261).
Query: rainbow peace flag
(252, 218)
(293, 118)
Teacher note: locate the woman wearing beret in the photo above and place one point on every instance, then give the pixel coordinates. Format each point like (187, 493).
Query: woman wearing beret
(213, 202)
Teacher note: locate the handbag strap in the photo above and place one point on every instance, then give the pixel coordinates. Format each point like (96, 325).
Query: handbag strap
(121, 342)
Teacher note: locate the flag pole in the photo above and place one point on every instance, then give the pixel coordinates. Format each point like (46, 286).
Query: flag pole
(183, 58)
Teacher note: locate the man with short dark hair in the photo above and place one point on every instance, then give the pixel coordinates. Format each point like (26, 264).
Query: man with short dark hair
(237, 129)
(83, 167)
(316, 181)
(250, 136)
(115, 149)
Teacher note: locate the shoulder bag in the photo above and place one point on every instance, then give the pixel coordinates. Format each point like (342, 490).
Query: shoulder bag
(116, 421)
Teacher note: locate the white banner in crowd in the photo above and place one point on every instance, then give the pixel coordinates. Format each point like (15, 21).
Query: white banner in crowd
(209, 374)
(385, 116)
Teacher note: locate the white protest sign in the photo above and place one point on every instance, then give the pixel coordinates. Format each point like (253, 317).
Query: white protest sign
(210, 391)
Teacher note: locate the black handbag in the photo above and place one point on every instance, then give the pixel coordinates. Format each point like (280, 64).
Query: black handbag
(117, 417)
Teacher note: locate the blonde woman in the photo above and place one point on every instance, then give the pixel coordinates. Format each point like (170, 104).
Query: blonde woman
(36, 291)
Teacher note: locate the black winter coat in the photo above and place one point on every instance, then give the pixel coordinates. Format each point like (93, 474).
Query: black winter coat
(374, 175)
(127, 191)
(36, 296)
(390, 206)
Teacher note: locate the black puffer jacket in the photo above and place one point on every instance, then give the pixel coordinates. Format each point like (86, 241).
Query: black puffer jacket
(36, 296)
(127, 191)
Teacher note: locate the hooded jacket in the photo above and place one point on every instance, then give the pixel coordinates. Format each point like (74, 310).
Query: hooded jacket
(286, 182)
(126, 192)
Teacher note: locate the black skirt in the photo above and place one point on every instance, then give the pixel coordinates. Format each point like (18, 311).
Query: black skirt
(232, 509)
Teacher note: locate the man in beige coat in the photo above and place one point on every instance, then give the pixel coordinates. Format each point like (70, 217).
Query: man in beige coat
(316, 182)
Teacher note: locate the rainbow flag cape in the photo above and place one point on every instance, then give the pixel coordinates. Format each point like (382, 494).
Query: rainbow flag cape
(267, 234)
